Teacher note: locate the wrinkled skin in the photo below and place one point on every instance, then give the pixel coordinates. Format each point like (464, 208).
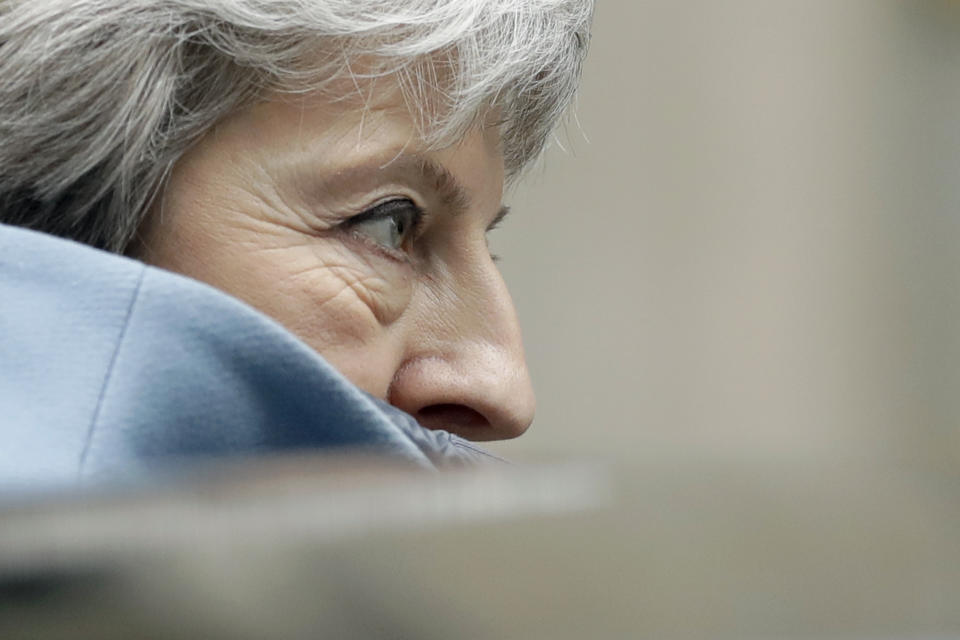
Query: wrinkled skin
(265, 208)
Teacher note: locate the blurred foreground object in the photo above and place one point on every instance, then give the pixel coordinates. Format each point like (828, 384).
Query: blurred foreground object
(675, 547)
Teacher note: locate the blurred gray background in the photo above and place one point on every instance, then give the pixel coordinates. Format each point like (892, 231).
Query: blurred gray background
(751, 240)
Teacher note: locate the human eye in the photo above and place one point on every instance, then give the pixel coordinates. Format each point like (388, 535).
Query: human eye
(390, 224)
(494, 225)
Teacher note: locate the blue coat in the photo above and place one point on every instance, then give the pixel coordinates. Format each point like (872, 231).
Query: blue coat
(111, 368)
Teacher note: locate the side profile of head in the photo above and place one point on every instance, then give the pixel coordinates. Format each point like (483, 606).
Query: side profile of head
(336, 164)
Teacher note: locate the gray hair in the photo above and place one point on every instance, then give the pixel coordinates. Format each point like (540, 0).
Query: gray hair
(99, 99)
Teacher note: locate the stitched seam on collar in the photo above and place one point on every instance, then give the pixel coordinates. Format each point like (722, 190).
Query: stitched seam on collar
(109, 374)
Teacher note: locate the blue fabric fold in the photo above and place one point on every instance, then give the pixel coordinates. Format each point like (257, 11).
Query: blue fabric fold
(111, 368)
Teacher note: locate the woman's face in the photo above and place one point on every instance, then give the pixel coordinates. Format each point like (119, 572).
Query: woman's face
(335, 221)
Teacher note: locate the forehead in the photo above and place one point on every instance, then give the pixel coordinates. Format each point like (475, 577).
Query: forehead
(362, 102)
(352, 137)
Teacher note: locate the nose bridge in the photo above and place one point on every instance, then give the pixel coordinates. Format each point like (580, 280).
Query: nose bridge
(467, 356)
(485, 300)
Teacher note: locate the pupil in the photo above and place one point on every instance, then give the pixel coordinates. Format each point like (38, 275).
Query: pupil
(399, 226)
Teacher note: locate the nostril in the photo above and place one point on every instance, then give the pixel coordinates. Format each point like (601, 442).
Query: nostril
(455, 418)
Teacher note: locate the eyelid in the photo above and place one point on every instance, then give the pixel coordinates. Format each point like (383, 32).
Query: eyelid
(386, 207)
(384, 210)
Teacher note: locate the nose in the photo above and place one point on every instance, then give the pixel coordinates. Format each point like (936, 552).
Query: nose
(465, 370)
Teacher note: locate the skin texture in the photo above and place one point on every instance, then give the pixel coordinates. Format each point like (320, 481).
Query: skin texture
(265, 209)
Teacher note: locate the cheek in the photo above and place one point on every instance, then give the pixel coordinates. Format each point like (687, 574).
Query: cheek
(331, 296)
(339, 302)
(343, 307)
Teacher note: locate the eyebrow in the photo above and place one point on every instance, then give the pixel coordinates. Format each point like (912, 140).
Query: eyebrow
(451, 193)
(414, 167)
(449, 189)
